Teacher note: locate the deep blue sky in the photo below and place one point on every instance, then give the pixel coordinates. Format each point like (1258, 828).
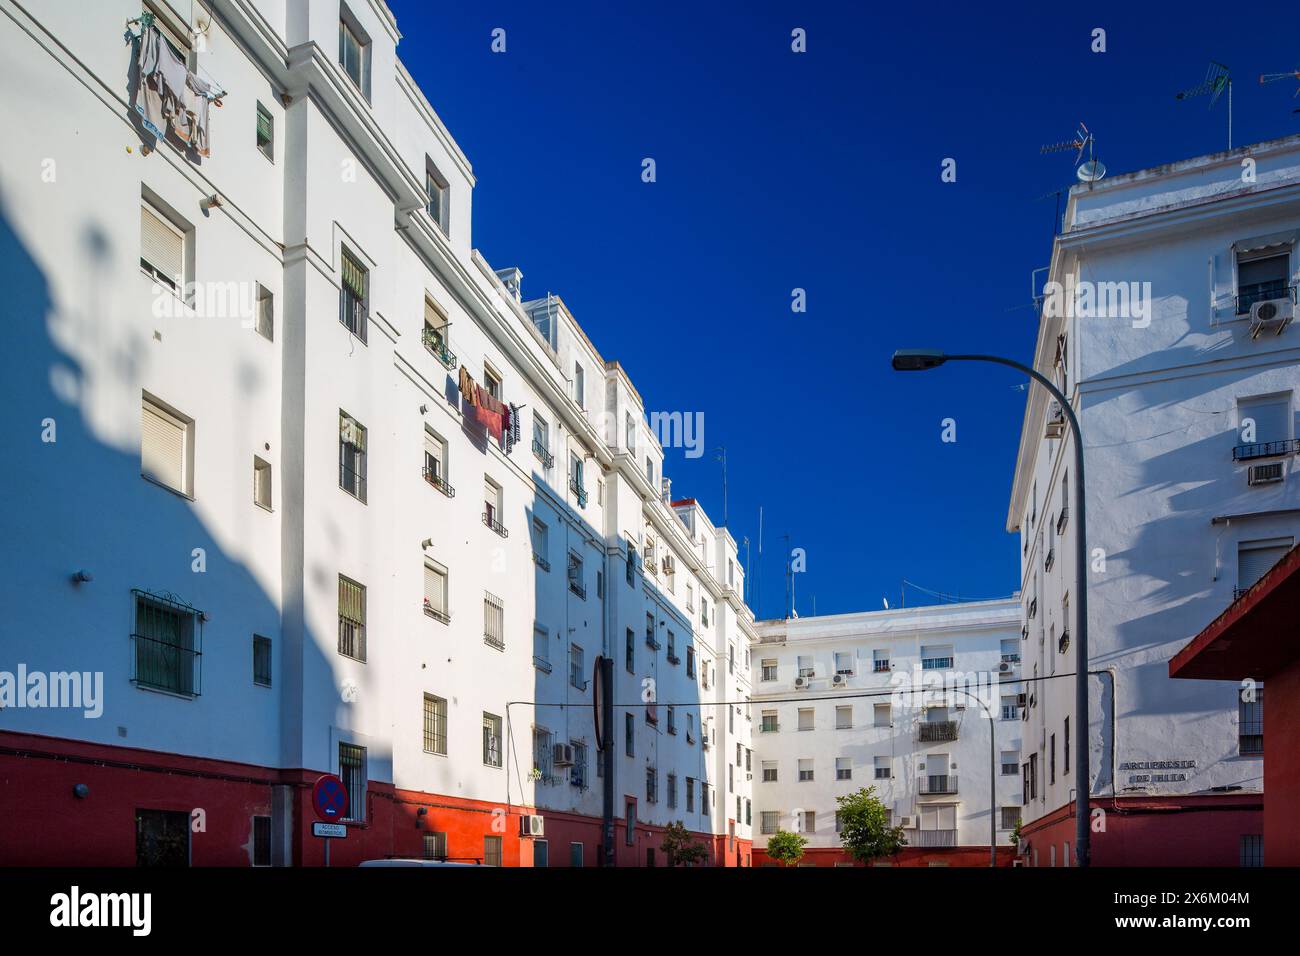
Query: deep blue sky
(821, 171)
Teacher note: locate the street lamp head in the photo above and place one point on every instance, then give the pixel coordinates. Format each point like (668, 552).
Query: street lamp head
(918, 360)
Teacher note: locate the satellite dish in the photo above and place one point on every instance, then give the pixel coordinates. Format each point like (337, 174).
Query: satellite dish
(1090, 171)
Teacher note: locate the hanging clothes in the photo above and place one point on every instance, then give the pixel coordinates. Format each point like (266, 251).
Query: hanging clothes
(468, 390)
(168, 97)
(490, 413)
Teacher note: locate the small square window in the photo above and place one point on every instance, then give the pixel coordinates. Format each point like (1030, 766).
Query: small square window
(261, 483)
(265, 132)
(261, 660)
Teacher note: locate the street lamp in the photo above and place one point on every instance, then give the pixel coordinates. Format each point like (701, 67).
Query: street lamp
(921, 360)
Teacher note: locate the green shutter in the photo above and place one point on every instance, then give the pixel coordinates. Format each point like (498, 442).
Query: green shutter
(351, 601)
(263, 125)
(354, 277)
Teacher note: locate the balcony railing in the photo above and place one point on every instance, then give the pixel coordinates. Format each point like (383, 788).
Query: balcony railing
(1266, 449)
(1010, 658)
(436, 614)
(579, 492)
(1063, 641)
(1033, 609)
(880, 667)
(936, 784)
(542, 455)
(435, 479)
(936, 663)
(1248, 295)
(1062, 520)
(541, 562)
(489, 520)
(936, 731)
(1050, 559)
(935, 838)
(435, 343)
(769, 727)
(494, 640)
(577, 588)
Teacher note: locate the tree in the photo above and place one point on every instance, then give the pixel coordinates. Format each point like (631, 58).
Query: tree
(680, 848)
(864, 827)
(786, 847)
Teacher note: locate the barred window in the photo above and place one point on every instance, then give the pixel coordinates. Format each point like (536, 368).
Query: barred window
(492, 851)
(352, 619)
(435, 725)
(353, 311)
(168, 644)
(1250, 717)
(352, 456)
(435, 846)
(494, 617)
(768, 821)
(1010, 818)
(352, 771)
(491, 740)
(1252, 849)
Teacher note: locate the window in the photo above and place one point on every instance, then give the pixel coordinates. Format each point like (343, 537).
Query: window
(491, 381)
(542, 441)
(629, 823)
(883, 770)
(491, 740)
(1010, 818)
(265, 132)
(690, 595)
(578, 772)
(163, 248)
(672, 648)
(542, 754)
(435, 184)
(629, 652)
(844, 718)
(352, 771)
(1010, 651)
(1256, 558)
(494, 621)
(768, 821)
(1010, 763)
(579, 386)
(352, 456)
(672, 791)
(1250, 720)
(843, 768)
(769, 771)
(435, 462)
(650, 631)
(435, 725)
(167, 640)
(690, 660)
(261, 483)
(261, 660)
(805, 770)
(575, 855)
(630, 567)
(577, 667)
(162, 838)
(435, 592)
(844, 663)
(649, 471)
(1010, 709)
(806, 718)
(575, 482)
(672, 719)
(1051, 760)
(353, 296)
(879, 661)
(806, 668)
(768, 670)
(880, 715)
(354, 52)
(629, 433)
(1252, 849)
(768, 722)
(809, 822)
(1261, 277)
(576, 578)
(651, 785)
(704, 611)
(690, 727)
(492, 851)
(166, 446)
(435, 846)
(261, 841)
(352, 619)
(492, 506)
(936, 657)
(1264, 427)
(690, 794)
(629, 735)
(265, 316)
(1065, 746)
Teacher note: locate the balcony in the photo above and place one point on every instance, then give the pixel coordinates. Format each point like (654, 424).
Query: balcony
(490, 521)
(542, 455)
(1024, 633)
(437, 346)
(579, 492)
(936, 663)
(541, 562)
(435, 613)
(1266, 449)
(432, 477)
(1050, 559)
(1063, 642)
(578, 588)
(931, 732)
(1033, 609)
(933, 838)
(935, 785)
(1249, 294)
(673, 658)
(1010, 658)
(1062, 521)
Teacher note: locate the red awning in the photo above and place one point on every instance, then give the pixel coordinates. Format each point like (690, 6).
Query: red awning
(1255, 636)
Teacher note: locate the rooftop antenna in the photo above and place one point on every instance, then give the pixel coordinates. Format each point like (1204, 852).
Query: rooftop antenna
(1217, 80)
(1090, 170)
(1271, 77)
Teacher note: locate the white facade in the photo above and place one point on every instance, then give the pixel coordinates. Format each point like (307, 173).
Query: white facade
(344, 176)
(1174, 522)
(834, 711)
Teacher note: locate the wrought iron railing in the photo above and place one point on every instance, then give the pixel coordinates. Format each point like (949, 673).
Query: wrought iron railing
(933, 838)
(437, 345)
(435, 613)
(164, 665)
(1266, 449)
(541, 562)
(936, 663)
(490, 521)
(494, 640)
(577, 588)
(580, 492)
(1050, 559)
(1010, 658)
(1262, 292)
(1063, 641)
(435, 479)
(1238, 592)
(542, 455)
(351, 481)
(936, 731)
(934, 784)
(1061, 521)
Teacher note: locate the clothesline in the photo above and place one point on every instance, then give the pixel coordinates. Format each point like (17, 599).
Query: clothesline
(145, 21)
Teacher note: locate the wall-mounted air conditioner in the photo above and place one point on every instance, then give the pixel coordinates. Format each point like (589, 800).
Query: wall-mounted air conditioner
(839, 680)
(906, 823)
(562, 755)
(1004, 667)
(531, 825)
(1055, 426)
(1268, 474)
(801, 682)
(1271, 315)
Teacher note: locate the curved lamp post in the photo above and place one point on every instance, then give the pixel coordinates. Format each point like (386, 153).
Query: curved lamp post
(921, 360)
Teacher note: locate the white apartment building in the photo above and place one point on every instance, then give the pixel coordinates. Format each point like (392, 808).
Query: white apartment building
(312, 488)
(920, 703)
(1182, 370)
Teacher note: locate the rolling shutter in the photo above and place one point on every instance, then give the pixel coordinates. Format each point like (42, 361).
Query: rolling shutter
(1256, 558)
(162, 246)
(162, 447)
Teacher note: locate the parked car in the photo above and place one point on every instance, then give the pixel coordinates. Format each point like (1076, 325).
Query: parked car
(410, 861)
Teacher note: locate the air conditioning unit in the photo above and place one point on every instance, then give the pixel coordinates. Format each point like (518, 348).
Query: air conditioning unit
(1268, 474)
(801, 682)
(531, 825)
(906, 823)
(704, 741)
(1055, 427)
(839, 680)
(1271, 314)
(348, 433)
(562, 755)
(1004, 667)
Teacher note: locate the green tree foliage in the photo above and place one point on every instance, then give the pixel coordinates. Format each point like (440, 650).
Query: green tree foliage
(864, 827)
(785, 847)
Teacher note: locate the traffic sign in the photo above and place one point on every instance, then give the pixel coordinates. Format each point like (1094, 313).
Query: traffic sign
(330, 798)
(329, 830)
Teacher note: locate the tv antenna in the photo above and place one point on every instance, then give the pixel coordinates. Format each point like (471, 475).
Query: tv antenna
(1217, 81)
(1090, 170)
(1273, 77)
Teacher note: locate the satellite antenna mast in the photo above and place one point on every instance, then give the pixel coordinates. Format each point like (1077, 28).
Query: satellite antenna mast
(1089, 171)
(1217, 80)
(1272, 77)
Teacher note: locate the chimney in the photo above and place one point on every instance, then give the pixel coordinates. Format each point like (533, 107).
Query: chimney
(511, 278)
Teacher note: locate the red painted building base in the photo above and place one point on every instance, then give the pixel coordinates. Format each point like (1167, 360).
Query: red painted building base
(908, 856)
(52, 825)
(1204, 830)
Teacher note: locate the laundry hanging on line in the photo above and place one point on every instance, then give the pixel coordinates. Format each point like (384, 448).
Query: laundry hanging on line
(169, 97)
